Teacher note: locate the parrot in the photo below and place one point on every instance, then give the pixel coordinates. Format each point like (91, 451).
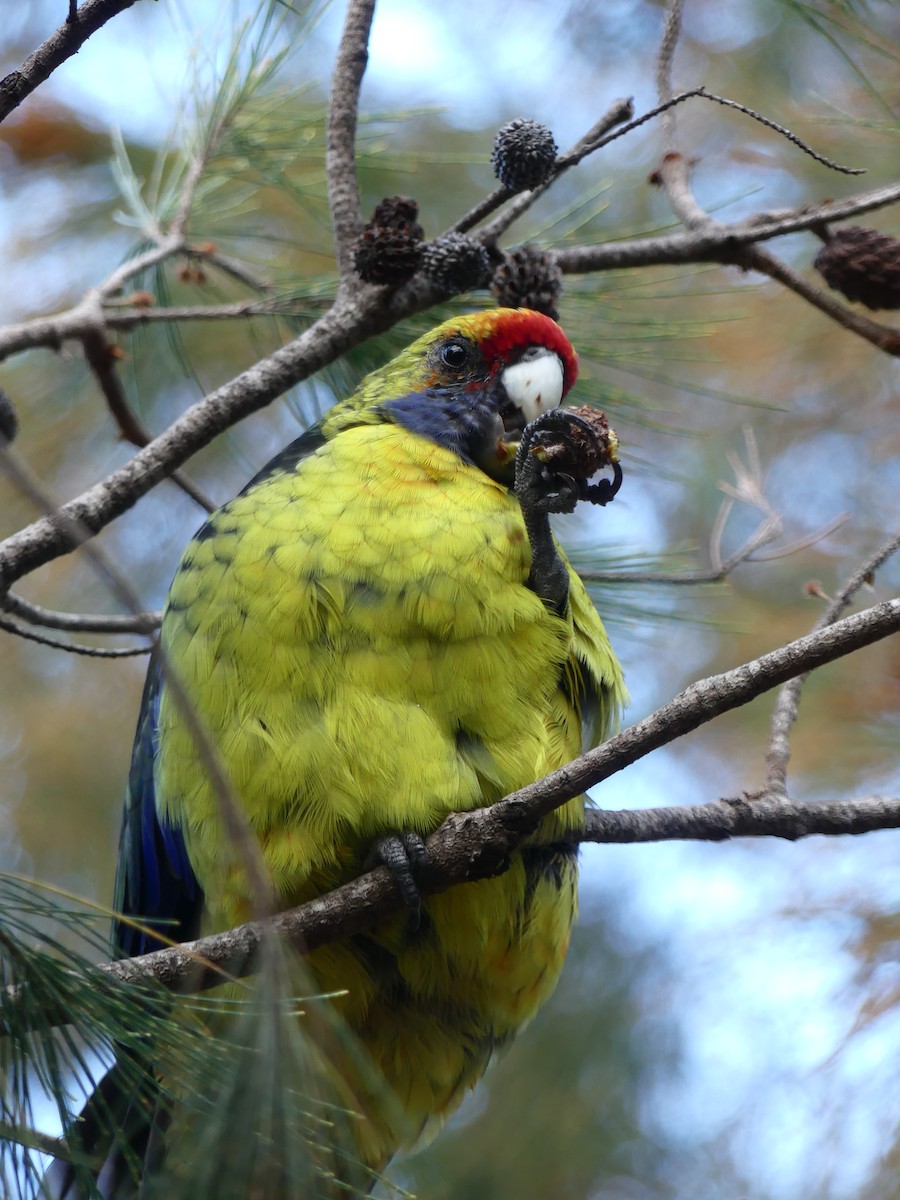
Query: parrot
(380, 630)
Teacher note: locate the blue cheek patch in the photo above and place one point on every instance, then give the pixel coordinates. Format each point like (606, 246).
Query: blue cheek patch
(464, 422)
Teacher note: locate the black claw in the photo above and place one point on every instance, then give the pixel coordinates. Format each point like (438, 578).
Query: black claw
(605, 490)
(403, 854)
(546, 486)
(538, 486)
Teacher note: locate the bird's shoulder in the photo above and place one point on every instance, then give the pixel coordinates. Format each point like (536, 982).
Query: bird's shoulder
(374, 505)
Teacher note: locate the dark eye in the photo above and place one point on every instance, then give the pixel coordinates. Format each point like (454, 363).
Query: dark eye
(454, 355)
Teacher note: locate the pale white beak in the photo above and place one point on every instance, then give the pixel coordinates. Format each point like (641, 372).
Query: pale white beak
(535, 383)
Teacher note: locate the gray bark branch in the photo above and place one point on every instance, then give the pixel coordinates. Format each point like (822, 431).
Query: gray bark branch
(340, 151)
(66, 41)
(475, 845)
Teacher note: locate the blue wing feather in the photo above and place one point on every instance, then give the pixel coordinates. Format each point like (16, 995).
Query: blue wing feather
(155, 883)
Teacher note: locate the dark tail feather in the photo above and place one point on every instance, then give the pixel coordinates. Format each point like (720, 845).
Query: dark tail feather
(112, 1141)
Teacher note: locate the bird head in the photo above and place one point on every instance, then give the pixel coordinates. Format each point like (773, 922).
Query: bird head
(471, 384)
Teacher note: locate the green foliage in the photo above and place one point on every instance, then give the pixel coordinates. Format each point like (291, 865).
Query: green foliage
(253, 1053)
(57, 1015)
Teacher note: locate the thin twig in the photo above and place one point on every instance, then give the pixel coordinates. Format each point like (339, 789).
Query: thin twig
(702, 94)
(482, 210)
(715, 242)
(619, 111)
(785, 712)
(36, 614)
(101, 358)
(671, 33)
(196, 167)
(884, 337)
(785, 133)
(42, 639)
(167, 246)
(99, 355)
(340, 151)
(128, 318)
(228, 265)
(668, 43)
(720, 568)
(718, 571)
(192, 178)
(61, 45)
(51, 332)
(748, 488)
(44, 1143)
(79, 320)
(802, 543)
(718, 532)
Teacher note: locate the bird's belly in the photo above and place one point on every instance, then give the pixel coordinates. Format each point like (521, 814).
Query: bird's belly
(431, 1008)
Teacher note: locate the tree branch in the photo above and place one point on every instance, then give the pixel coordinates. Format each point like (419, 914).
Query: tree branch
(475, 845)
(674, 176)
(51, 536)
(785, 711)
(745, 816)
(340, 152)
(66, 41)
(35, 614)
(716, 242)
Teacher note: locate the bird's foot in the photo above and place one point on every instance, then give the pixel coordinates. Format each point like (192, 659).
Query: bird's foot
(542, 484)
(403, 854)
(558, 454)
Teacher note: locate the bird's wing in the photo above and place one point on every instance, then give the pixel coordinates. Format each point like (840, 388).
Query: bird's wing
(155, 884)
(596, 678)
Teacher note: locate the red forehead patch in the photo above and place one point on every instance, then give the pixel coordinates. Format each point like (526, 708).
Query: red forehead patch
(503, 330)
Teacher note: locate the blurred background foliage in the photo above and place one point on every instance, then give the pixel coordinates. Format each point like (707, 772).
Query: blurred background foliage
(729, 1021)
